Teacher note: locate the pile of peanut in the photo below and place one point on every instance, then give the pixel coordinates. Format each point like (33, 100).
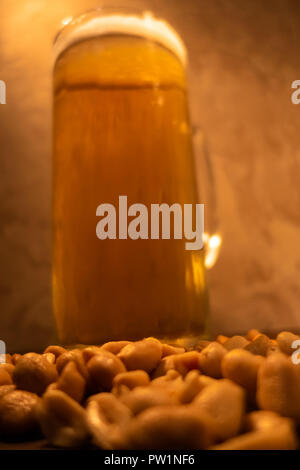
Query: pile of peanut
(232, 393)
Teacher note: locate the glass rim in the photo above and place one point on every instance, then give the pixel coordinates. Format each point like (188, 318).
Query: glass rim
(118, 20)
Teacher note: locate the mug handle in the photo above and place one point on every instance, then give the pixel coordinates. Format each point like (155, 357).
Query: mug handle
(207, 195)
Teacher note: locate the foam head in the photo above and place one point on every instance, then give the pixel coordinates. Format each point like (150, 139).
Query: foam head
(96, 24)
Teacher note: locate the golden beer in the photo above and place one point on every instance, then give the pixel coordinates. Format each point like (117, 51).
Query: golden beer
(121, 127)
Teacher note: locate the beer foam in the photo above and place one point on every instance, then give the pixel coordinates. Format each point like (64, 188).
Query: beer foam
(144, 26)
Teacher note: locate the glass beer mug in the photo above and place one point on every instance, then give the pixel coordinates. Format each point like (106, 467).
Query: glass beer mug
(121, 127)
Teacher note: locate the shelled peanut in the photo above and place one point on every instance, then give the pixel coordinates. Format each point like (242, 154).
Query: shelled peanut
(231, 393)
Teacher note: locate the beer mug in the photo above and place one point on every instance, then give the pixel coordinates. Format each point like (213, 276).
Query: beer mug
(121, 128)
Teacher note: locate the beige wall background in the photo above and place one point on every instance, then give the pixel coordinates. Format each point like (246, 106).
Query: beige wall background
(244, 55)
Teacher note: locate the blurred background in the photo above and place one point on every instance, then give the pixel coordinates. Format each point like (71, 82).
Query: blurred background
(243, 57)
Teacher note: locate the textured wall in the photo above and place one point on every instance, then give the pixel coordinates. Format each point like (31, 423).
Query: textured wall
(243, 57)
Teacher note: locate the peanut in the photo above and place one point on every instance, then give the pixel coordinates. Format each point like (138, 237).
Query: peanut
(168, 427)
(222, 339)
(76, 355)
(191, 387)
(102, 369)
(8, 367)
(71, 382)
(278, 386)
(235, 342)
(112, 409)
(50, 357)
(105, 416)
(5, 377)
(210, 359)
(131, 379)
(144, 355)
(282, 438)
(251, 335)
(62, 420)
(15, 358)
(259, 346)
(170, 374)
(183, 363)
(168, 350)
(8, 359)
(115, 346)
(56, 350)
(273, 347)
(34, 373)
(241, 367)
(262, 420)
(91, 351)
(173, 386)
(6, 389)
(224, 402)
(164, 366)
(17, 411)
(204, 381)
(285, 340)
(200, 345)
(141, 398)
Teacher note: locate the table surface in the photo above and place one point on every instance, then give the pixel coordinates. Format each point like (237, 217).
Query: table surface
(29, 445)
